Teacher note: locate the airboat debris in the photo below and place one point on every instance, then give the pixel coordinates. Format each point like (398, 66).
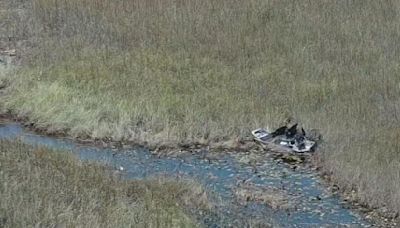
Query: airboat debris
(286, 138)
(9, 52)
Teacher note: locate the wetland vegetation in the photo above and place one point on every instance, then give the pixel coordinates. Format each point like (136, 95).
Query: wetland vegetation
(171, 71)
(47, 188)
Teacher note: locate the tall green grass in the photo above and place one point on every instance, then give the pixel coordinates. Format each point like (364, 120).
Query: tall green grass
(166, 71)
(44, 188)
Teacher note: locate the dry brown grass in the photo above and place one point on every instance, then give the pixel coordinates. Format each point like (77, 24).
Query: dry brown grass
(44, 188)
(170, 70)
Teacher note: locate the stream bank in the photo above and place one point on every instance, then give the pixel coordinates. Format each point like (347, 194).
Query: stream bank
(290, 197)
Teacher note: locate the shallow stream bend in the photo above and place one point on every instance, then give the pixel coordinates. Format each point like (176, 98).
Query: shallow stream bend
(290, 197)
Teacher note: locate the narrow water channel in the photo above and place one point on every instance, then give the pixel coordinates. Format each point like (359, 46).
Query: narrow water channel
(276, 193)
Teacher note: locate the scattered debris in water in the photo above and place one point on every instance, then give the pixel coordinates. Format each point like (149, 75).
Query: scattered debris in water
(274, 193)
(274, 197)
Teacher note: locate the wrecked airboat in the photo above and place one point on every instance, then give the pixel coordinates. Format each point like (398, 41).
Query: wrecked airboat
(286, 138)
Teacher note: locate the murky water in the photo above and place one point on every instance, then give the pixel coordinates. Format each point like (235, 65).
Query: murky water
(307, 203)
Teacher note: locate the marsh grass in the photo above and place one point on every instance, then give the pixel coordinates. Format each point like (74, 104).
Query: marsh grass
(169, 71)
(45, 188)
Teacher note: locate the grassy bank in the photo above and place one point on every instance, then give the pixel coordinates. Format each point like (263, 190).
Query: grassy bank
(167, 71)
(45, 188)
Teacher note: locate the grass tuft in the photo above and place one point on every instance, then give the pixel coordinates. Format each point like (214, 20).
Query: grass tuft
(41, 187)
